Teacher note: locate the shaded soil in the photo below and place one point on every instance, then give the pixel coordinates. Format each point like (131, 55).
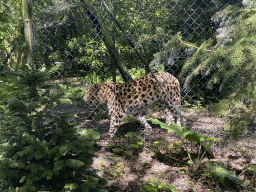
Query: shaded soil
(169, 167)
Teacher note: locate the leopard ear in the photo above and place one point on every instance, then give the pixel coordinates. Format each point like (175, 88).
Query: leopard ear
(96, 85)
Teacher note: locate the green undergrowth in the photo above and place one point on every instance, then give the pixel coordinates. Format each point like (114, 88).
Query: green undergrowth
(128, 146)
(155, 185)
(175, 153)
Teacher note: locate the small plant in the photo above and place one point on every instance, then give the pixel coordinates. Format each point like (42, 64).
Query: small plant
(252, 169)
(182, 170)
(188, 133)
(240, 149)
(130, 119)
(139, 175)
(155, 185)
(221, 172)
(156, 145)
(197, 106)
(156, 108)
(175, 147)
(131, 145)
(90, 134)
(116, 169)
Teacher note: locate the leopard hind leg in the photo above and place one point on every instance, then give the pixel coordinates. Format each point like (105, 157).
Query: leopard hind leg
(142, 119)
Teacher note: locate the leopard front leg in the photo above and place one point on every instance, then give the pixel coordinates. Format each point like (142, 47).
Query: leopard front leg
(170, 115)
(114, 124)
(177, 119)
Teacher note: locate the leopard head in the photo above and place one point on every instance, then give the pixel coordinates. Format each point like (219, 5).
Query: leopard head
(98, 93)
(92, 94)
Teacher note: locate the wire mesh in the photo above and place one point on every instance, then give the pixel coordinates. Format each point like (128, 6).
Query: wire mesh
(70, 36)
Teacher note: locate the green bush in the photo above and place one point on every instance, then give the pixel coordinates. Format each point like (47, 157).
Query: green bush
(46, 152)
(237, 115)
(229, 58)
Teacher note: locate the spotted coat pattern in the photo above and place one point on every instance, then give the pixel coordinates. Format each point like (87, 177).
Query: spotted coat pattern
(136, 97)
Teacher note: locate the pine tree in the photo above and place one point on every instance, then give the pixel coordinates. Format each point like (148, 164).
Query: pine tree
(46, 152)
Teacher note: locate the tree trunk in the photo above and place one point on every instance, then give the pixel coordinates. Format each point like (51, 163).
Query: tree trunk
(28, 31)
(109, 43)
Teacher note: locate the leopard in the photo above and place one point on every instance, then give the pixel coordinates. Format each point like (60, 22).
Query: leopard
(136, 97)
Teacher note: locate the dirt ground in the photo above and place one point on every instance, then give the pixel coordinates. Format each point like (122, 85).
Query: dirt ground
(137, 168)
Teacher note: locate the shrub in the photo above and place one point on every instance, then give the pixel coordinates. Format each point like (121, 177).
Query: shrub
(46, 152)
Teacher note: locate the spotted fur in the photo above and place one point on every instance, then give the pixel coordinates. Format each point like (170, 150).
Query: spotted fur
(136, 97)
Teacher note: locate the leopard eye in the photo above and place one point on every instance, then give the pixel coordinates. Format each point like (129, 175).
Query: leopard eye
(93, 97)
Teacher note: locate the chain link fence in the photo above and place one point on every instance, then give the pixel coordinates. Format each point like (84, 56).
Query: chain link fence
(83, 42)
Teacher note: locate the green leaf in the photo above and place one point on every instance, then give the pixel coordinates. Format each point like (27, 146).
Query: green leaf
(188, 133)
(207, 146)
(180, 131)
(74, 163)
(116, 138)
(206, 174)
(208, 164)
(90, 134)
(118, 150)
(221, 171)
(134, 145)
(139, 142)
(70, 186)
(58, 165)
(170, 128)
(63, 150)
(157, 180)
(65, 101)
(174, 144)
(132, 134)
(22, 179)
(193, 136)
(56, 67)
